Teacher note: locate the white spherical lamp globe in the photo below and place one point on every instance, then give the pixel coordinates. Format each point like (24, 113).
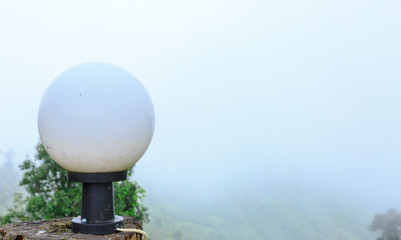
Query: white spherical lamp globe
(96, 118)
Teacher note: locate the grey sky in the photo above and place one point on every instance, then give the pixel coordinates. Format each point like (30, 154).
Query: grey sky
(244, 91)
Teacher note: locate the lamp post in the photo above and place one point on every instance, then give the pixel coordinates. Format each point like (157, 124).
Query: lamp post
(96, 120)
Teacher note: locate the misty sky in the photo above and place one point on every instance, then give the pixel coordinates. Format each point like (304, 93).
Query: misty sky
(245, 92)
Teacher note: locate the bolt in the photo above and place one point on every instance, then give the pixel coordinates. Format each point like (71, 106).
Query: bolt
(83, 220)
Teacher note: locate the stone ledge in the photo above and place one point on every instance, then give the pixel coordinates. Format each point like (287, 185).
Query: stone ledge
(61, 229)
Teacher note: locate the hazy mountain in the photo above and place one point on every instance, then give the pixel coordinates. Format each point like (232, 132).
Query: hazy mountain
(9, 178)
(290, 213)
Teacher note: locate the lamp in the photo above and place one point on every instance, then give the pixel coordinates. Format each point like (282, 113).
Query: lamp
(96, 120)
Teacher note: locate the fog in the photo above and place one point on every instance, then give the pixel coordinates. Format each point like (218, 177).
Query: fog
(247, 94)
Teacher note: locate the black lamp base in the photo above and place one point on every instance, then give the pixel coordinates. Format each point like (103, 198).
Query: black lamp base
(96, 228)
(97, 211)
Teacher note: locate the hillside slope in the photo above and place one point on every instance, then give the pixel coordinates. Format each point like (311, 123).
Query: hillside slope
(274, 214)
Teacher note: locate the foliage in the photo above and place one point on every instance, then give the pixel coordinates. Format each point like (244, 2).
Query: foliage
(128, 197)
(51, 195)
(389, 224)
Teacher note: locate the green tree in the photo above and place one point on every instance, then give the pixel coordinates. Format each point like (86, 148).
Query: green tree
(389, 224)
(51, 195)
